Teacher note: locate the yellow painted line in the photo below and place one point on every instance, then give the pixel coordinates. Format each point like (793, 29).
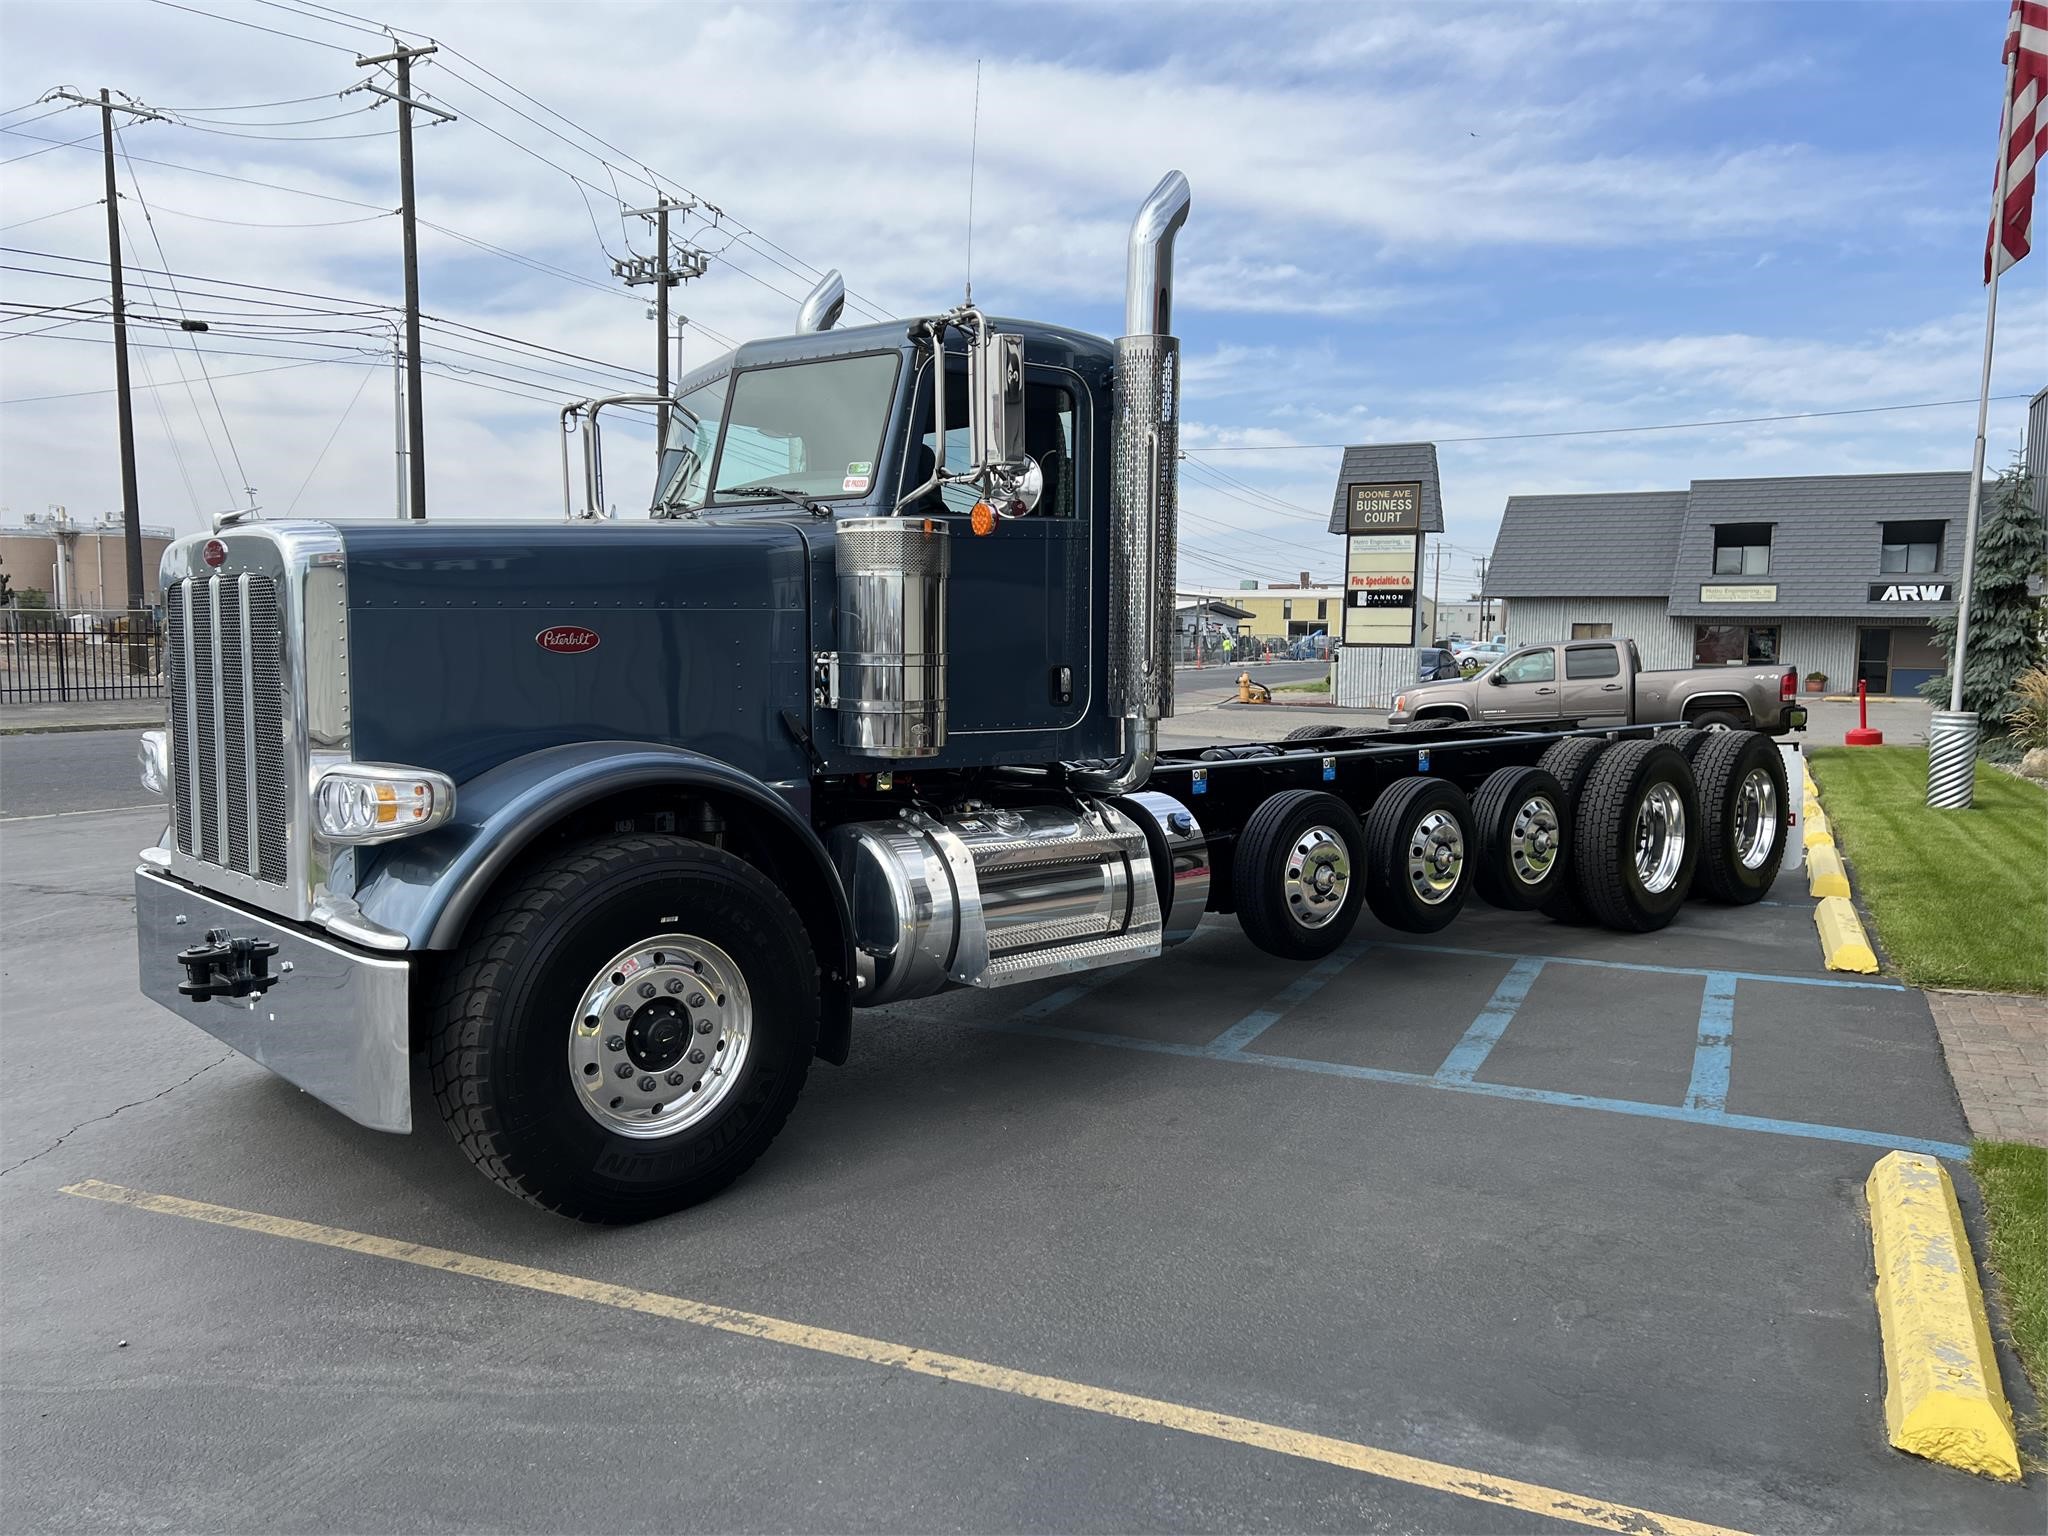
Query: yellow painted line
(1943, 1399)
(1825, 875)
(1843, 943)
(1464, 1482)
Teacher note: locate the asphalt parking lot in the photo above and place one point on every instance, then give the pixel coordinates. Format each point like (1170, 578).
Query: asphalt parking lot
(1517, 1203)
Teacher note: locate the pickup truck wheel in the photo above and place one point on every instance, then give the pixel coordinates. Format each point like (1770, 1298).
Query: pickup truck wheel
(1687, 739)
(1636, 836)
(1571, 763)
(1524, 832)
(1419, 851)
(626, 1029)
(1719, 720)
(1743, 796)
(1295, 877)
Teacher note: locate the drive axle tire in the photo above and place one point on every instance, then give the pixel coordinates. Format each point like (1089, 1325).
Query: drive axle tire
(1636, 836)
(1419, 851)
(626, 1028)
(1315, 732)
(1743, 796)
(1524, 837)
(1294, 879)
(1688, 739)
(1571, 763)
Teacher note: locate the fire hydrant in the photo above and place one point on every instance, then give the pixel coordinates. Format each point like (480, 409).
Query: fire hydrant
(1244, 687)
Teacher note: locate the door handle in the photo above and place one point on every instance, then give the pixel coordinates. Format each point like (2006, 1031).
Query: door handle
(1546, 690)
(1610, 687)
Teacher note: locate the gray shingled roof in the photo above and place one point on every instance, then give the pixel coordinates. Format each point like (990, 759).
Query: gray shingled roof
(1619, 544)
(1825, 533)
(1380, 462)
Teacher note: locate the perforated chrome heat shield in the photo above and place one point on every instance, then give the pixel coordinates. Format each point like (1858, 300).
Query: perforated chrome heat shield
(1144, 514)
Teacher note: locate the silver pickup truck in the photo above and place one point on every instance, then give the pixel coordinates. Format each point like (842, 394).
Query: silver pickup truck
(1602, 682)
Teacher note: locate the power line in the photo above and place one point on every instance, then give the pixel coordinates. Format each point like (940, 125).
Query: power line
(314, 468)
(240, 373)
(49, 144)
(24, 223)
(297, 37)
(1667, 426)
(207, 218)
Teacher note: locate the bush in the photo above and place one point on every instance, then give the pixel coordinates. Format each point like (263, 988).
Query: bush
(2029, 718)
(2006, 624)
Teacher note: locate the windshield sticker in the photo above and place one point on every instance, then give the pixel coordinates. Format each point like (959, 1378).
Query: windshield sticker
(854, 483)
(862, 468)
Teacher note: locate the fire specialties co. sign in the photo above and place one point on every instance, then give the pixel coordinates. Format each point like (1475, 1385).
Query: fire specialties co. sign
(1382, 563)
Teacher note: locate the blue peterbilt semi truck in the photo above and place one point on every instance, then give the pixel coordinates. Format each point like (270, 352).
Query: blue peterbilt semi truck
(616, 823)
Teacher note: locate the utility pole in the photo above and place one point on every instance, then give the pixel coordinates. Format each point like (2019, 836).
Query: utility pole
(657, 270)
(124, 402)
(415, 405)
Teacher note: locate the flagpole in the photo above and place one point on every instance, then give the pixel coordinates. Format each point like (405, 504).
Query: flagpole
(1950, 783)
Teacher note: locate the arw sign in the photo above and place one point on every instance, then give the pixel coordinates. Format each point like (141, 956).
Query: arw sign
(1909, 591)
(567, 639)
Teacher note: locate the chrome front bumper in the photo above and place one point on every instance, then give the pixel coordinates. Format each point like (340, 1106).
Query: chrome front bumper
(335, 1021)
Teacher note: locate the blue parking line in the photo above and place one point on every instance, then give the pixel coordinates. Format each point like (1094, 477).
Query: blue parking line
(1657, 970)
(1710, 1057)
(1470, 1053)
(1053, 1002)
(1297, 992)
(1719, 1119)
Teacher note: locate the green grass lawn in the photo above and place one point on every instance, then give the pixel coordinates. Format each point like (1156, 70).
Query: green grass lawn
(1959, 898)
(1320, 685)
(2014, 1180)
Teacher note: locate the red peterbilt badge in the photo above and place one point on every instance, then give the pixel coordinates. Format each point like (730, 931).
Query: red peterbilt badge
(214, 552)
(567, 639)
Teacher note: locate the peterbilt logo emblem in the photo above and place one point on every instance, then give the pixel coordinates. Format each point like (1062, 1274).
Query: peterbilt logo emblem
(214, 552)
(567, 639)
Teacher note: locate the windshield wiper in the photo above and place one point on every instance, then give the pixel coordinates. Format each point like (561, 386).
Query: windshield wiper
(794, 498)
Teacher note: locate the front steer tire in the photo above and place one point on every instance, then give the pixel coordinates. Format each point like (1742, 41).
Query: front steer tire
(498, 1046)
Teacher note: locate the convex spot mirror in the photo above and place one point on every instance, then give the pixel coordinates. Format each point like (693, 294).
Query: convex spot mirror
(1018, 487)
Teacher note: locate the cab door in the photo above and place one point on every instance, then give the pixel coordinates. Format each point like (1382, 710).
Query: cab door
(1524, 687)
(1594, 691)
(1017, 631)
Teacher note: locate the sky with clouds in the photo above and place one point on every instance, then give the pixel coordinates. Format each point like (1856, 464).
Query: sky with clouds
(1410, 222)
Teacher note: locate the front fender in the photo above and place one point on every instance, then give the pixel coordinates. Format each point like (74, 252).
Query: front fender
(428, 888)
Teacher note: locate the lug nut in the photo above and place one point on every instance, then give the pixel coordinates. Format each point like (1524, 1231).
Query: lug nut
(675, 1079)
(696, 999)
(623, 1011)
(696, 1056)
(615, 1043)
(647, 1085)
(625, 1069)
(647, 989)
(675, 986)
(703, 1026)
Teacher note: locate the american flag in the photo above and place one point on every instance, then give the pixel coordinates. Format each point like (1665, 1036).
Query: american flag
(2026, 134)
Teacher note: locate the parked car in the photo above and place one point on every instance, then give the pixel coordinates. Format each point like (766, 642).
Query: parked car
(1602, 682)
(1434, 663)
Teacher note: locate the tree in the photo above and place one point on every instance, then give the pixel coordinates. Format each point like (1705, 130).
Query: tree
(2007, 634)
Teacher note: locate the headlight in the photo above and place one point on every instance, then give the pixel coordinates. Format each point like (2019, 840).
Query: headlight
(153, 758)
(373, 802)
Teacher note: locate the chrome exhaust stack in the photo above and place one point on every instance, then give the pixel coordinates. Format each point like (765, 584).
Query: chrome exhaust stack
(1144, 501)
(823, 305)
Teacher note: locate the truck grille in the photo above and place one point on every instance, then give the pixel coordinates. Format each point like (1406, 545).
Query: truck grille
(225, 662)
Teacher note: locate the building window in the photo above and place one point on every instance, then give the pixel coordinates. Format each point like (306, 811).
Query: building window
(1592, 631)
(1322, 607)
(1286, 607)
(1742, 549)
(1591, 661)
(1911, 548)
(1734, 645)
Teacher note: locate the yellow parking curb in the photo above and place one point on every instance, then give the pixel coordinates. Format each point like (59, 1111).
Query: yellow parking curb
(1825, 875)
(1843, 943)
(1817, 829)
(1943, 1399)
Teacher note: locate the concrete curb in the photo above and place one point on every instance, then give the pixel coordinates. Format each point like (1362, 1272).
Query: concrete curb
(1844, 946)
(1818, 832)
(81, 725)
(1943, 1399)
(1825, 875)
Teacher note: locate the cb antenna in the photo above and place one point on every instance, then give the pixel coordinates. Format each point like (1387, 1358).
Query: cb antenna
(973, 154)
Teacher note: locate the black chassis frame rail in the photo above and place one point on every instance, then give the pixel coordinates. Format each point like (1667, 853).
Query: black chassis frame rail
(1357, 767)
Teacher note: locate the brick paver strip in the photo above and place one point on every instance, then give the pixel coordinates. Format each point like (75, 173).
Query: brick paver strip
(1997, 1049)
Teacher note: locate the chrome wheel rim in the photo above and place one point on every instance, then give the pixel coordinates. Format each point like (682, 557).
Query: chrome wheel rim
(1436, 857)
(1318, 877)
(1533, 840)
(660, 1036)
(1756, 818)
(1660, 838)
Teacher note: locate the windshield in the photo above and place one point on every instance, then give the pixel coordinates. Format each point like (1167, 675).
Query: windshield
(811, 429)
(686, 453)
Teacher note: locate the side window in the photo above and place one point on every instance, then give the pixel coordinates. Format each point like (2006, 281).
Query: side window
(1048, 438)
(1592, 661)
(1531, 667)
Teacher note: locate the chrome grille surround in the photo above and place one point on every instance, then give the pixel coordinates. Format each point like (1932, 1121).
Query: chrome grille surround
(256, 660)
